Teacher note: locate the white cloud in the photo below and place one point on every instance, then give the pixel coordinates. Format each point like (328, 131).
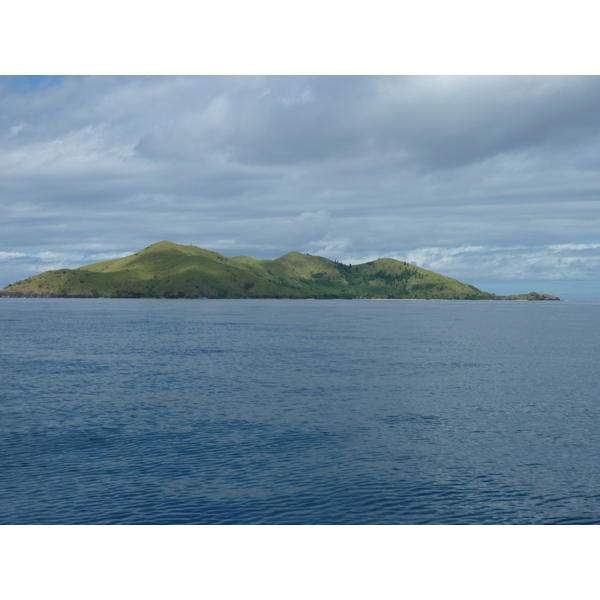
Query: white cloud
(15, 129)
(10, 255)
(560, 247)
(19, 265)
(567, 262)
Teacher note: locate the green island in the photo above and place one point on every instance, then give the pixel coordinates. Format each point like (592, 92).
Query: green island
(168, 270)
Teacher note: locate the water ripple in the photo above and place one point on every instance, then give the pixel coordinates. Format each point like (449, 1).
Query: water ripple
(266, 412)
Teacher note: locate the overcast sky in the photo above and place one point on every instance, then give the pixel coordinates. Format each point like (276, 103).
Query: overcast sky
(492, 180)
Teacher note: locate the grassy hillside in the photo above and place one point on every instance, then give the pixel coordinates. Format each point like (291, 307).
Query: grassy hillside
(167, 270)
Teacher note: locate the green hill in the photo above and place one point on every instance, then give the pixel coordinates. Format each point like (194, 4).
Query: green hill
(167, 270)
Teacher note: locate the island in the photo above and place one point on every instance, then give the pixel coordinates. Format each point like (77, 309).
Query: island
(168, 270)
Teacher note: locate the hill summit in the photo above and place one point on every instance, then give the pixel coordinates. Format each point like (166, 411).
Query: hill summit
(168, 270)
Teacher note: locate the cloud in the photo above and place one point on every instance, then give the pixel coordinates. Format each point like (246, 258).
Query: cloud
(20, 265)
(5, 256)
(564, 262)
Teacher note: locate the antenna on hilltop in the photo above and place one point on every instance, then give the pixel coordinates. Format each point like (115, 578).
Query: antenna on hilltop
(190, 250)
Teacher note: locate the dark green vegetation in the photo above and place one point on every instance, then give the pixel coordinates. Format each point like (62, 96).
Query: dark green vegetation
(531, 296)
(167, 270)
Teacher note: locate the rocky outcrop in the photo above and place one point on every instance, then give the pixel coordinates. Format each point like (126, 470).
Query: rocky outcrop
(535, 296)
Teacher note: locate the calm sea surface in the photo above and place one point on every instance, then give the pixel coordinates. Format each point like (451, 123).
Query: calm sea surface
(299, 411)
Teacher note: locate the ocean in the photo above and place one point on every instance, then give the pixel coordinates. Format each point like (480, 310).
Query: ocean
(299, 412)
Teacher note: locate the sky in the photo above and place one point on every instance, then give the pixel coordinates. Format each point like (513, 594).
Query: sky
(492, 180)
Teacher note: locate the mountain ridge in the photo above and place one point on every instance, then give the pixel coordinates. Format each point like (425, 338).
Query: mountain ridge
(169, 270)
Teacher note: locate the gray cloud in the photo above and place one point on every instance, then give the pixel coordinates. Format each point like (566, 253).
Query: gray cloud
(349, 167)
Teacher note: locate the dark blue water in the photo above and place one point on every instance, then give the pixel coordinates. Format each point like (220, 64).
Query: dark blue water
(275, 411)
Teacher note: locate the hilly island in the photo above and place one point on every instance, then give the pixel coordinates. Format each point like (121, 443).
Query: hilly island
(168, 270)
